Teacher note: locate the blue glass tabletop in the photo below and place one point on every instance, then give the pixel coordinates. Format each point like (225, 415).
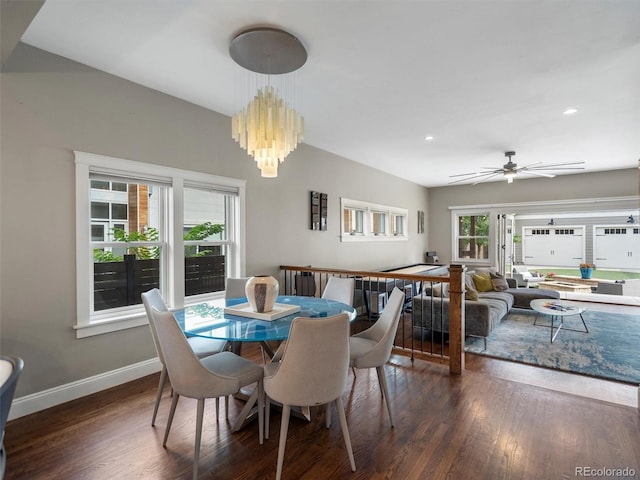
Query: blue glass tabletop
(210, 320)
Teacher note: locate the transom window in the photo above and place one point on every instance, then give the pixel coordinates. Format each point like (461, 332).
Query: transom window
(133, 220)
(353, 221)
(363, 221)
(397, 224)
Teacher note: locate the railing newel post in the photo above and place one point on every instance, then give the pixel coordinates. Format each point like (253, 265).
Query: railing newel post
(456, 319)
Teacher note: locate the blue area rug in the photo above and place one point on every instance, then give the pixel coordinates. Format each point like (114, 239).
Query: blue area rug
(610, 350)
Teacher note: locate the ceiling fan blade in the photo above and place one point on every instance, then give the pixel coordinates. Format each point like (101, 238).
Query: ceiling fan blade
(466, 174)
(578, 166)
(473, 174)
(537, 174)
(487, 178)
(528, 165)
(474, 177)
(558, 168)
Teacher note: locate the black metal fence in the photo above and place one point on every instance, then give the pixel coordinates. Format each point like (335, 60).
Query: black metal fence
(118, 284)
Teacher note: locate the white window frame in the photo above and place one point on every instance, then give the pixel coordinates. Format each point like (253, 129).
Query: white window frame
(369, 209)
(455, 244)
(89, 323)
(393, 221)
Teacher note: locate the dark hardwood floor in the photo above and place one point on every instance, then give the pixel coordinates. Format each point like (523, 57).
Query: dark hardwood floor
(486, 424)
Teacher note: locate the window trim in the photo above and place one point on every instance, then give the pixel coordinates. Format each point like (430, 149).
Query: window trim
(368, 210)
(176, 180)
(455, 214)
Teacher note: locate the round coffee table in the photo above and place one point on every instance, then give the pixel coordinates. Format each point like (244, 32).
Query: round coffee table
(556, 309)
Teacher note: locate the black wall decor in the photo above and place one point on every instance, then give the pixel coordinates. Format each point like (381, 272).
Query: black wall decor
(420, 221)
(318, 211)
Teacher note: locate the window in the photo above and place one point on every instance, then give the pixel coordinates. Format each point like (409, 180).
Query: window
(133, 220)
(362, 221)
(353, 221)
(205, 244)
(397, 224)
(378, 223)
(129, 256)
(472, 237)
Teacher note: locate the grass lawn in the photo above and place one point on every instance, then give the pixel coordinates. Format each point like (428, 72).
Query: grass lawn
(597, 274)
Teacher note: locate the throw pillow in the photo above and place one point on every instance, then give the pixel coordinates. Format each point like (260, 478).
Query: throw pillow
(471, 294)
(499, 282)
(440, 290)
(490, 270)
(482, 282)
(468, 281)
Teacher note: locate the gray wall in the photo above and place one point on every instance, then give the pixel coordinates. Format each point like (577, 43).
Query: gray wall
(52, 106)
(616, 183)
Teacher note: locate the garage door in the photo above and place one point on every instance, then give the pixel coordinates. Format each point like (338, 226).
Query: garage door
(617, 246)
(555, 246)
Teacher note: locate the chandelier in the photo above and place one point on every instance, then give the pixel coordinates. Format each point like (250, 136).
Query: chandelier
(268, 126)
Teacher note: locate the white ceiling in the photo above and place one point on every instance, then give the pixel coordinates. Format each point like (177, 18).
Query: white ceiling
(481, 77)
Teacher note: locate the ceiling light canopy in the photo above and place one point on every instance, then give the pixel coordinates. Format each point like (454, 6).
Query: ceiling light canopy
(268, 126)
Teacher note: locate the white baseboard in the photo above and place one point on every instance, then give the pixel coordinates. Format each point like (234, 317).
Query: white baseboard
(55, 396)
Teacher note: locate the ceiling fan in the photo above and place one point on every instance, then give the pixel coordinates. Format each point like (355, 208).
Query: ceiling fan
(510, 170)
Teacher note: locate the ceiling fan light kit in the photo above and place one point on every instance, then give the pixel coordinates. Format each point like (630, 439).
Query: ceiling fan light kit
(510, 170)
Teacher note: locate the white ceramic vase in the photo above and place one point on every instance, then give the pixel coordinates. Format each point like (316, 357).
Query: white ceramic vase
(262, 291)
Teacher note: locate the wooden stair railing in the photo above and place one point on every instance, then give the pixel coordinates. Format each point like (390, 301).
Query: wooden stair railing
(456, 296)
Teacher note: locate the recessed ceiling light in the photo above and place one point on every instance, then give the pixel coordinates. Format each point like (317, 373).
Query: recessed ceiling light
(428, 138)
(570, 111)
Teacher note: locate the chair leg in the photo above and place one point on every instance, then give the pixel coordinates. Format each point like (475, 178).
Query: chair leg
(345, 432)
(382, 380)
(174, 403)
(327, 414)
(226, 407)
(217, 408)
(267, 415)
(284, 426)
(196, 452)
(163, 378)
(260, 388)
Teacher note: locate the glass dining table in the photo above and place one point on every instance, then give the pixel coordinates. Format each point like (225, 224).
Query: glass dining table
(210, 320)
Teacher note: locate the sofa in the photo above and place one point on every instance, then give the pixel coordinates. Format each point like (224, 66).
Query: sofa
(484, 310)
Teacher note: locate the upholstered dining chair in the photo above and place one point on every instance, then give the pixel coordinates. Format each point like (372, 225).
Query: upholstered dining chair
(202, 347)
(339, 289)
(372, 347)
(313, 371)
(10, 370)
(235, 287)
(215, 376)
